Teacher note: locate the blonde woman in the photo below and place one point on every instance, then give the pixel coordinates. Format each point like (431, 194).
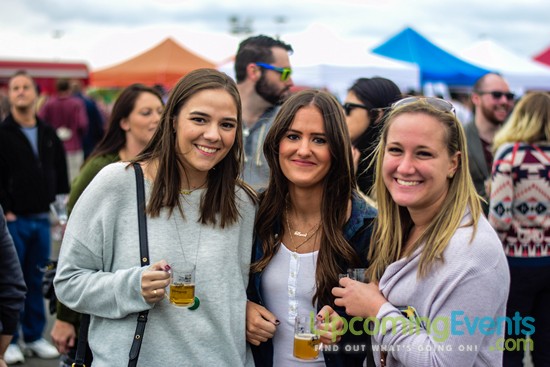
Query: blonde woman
(436, 258)
(519, 211)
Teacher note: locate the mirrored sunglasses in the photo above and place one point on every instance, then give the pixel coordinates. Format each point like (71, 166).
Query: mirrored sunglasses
(285, 72)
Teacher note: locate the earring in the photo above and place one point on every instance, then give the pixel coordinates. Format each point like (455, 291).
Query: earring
(450, 175)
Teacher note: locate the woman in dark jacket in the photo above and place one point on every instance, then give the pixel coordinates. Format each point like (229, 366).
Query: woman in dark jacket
(311, 226)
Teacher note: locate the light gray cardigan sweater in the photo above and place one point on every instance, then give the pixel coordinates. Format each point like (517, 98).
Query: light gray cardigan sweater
(472, 282)
(99, 273)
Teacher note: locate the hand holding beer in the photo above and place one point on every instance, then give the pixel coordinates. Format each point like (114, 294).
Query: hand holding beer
(153, 281)
(358, 298)
(306, 337)
(329, 325)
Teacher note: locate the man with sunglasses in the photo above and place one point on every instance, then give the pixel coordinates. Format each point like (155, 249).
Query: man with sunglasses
(263, 75)
(493, 102)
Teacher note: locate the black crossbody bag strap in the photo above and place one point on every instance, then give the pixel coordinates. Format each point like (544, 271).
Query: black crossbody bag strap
(82, 341)
(144, 259)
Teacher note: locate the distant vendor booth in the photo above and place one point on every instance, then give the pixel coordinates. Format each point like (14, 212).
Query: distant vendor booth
(45, 73)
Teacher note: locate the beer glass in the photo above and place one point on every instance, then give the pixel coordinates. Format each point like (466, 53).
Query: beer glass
(306, 337)
(181, 291)
(358, 274)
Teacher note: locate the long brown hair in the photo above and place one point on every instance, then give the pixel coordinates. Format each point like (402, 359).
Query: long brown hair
(219, 197)
(114, 138)
(338, 186)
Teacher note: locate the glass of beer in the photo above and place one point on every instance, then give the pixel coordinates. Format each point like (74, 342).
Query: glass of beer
(358, 274)
(181, 291)
(306, 337)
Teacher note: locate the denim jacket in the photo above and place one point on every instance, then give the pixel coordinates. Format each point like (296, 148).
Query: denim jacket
(357, 232)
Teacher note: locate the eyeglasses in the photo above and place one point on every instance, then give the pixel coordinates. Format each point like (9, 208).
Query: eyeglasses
(438, 103)
(350, 106)
(285, 72)
(498, 94)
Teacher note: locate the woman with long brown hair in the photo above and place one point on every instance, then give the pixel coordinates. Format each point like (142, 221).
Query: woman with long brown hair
(198, 210)
(312, 225)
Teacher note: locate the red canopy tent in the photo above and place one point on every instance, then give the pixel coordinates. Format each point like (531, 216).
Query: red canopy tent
(543, 57)
(163, 64)
(44, 73)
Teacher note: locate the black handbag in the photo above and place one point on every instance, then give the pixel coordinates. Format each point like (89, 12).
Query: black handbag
(144, 260)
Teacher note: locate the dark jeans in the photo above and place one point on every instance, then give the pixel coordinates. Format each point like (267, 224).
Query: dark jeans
(530, 296)
(31, 236)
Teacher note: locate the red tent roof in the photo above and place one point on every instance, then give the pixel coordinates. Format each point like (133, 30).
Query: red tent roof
(44, 73)
(44, 69)
(164, 64)
(543, 57)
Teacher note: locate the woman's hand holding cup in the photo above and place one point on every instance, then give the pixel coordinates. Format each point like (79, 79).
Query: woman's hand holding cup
(154, 280)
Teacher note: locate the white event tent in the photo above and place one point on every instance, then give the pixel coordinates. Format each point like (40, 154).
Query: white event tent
(522, 73)
(323, 60)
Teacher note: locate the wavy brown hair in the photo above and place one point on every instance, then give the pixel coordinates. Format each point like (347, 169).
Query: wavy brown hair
(114, 138)
(338, 187)
(220, 197)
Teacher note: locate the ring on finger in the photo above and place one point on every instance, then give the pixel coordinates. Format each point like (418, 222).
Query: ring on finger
(155, 292)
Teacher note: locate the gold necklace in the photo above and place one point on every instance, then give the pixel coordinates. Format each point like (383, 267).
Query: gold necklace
(300, 233)
(188, 192)
(296, 232)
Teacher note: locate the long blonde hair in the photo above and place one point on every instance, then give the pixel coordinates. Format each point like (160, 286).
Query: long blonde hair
(529, 122)
(394, 221)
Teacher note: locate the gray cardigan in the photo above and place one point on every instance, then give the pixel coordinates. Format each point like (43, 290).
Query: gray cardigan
(99, 273)
(472, 282)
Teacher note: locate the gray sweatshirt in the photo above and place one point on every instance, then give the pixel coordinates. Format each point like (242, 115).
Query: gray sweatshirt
(99, 273)
(473, 282)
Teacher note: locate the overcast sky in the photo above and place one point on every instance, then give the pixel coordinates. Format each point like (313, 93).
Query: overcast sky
(105, 32)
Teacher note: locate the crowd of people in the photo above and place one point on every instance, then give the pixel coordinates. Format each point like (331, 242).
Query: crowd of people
(274, 197)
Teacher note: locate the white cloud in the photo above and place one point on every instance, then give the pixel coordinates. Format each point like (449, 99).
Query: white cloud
(104, 32)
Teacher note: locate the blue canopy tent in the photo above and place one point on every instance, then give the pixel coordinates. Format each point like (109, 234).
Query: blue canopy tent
(435, 64)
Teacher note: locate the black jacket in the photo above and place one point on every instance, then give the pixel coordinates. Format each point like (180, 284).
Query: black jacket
(28, 184)
(12, 285)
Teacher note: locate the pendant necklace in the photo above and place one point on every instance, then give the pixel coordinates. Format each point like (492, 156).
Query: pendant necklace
(189, 191)
(196, 300)
(300, 234)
